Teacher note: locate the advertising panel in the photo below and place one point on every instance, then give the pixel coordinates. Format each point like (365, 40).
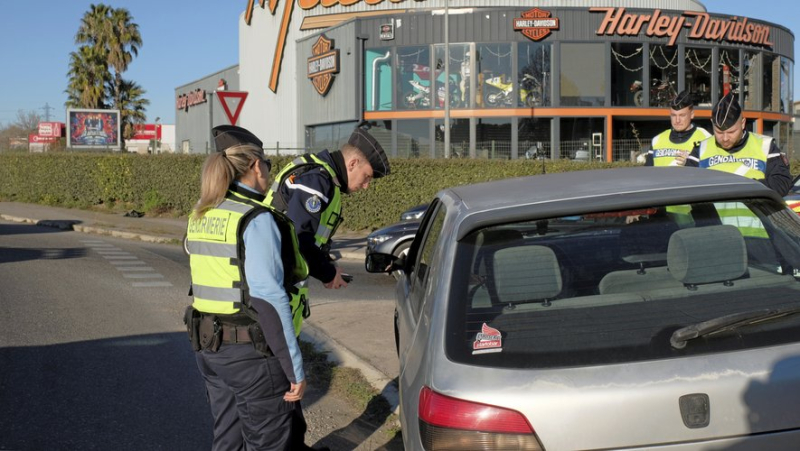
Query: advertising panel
(146, 131)
(51, 129)
(93, 129)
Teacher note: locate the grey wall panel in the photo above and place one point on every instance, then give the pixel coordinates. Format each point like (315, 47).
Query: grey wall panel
(341, 102)
(193, 124)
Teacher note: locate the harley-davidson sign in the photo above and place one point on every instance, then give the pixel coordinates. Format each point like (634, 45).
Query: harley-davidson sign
(619, 22)
(323, 64)
(536, 24)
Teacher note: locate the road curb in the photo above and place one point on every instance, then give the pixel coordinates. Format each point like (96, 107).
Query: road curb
(74, 225)
(122, 234)
(349, 255)
(340, 355)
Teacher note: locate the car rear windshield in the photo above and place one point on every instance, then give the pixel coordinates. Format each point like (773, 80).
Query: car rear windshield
(612, 287)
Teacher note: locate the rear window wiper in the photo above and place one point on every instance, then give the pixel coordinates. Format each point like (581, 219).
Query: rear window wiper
(728, 322)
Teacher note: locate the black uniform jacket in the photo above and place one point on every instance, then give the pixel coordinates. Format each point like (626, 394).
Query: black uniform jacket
(305, 212)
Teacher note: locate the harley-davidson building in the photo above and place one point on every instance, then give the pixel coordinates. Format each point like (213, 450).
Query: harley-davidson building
(521, 79)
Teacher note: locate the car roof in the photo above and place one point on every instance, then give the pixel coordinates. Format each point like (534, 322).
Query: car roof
(552, 195)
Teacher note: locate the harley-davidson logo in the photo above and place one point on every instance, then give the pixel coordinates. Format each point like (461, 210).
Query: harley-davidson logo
(323, 64)
(536, 24)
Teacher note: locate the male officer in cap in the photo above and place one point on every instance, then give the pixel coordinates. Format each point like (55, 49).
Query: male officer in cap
(738, 151)
(309, 191)
(671, 147)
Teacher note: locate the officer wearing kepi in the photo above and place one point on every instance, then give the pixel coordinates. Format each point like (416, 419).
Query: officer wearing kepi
(733, 149)
(309, 190)
(671, 147)
(245, 266)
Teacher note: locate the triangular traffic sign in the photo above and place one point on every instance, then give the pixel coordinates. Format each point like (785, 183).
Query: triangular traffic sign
(225, 97)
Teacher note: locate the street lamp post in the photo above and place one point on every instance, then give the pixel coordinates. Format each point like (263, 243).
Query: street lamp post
(446, 79)
(155, 138)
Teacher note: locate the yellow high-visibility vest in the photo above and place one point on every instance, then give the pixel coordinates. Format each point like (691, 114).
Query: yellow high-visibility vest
(331, 217)
(216, 258)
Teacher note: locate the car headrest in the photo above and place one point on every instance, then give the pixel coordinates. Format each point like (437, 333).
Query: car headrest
(707, 254)
(526, 273)
(645, 237)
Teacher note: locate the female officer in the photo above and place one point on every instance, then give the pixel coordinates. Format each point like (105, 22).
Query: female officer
(244, 262)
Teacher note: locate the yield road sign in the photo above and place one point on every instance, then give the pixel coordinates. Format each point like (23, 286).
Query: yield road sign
(232, 98)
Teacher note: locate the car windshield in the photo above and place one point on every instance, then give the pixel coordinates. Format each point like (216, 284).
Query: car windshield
(612, 287)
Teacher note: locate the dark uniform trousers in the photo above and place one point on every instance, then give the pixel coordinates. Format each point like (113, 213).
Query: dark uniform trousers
(245, 391)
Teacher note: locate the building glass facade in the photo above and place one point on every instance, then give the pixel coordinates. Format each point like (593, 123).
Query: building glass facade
(586, 80)
(511, 96)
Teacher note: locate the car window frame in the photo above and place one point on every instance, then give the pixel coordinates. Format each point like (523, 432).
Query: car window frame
(417, 286)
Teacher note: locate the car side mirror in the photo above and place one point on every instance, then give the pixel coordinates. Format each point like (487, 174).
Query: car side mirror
(383, 263)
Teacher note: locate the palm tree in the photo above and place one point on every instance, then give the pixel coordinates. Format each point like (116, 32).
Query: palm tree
(122, 42)
(88, 76)
(110, 42)
(132, 107)
(93, 25)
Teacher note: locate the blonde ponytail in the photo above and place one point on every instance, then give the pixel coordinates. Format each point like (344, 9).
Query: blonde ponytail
(220, 170)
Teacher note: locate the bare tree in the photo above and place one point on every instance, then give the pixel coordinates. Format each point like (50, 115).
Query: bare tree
(27, 121)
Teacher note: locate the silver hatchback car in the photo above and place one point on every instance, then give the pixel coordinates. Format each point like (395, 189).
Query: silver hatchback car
(633, 308)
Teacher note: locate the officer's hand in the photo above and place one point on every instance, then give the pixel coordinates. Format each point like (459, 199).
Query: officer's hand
(337, 281)
(296, 392)
(680, 159)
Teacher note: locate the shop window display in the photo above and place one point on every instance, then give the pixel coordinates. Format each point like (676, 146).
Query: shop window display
(495, 78)
(750, 80)
(728, 71)
(770, 82)
(698, 75)
(627, 63)
(786, 86)
(534, 63)
(582, 80)
(460, 72)
(378, 80)
(663, 84)
(413, 78)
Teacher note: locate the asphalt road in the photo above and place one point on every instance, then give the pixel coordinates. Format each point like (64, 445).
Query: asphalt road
(93, 351)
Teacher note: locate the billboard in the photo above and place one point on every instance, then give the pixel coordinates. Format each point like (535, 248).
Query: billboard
(93, 129)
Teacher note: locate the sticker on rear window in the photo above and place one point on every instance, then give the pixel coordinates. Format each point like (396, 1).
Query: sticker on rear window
(487, 340)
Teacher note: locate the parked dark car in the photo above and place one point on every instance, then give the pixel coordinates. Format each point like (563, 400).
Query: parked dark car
(414, 213)
(396, 238)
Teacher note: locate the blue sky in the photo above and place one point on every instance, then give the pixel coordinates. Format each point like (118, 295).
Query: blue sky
(182, 41)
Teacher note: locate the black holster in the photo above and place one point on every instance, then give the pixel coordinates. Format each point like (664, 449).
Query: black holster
(259, 341)
(210, 333)
(191, 318)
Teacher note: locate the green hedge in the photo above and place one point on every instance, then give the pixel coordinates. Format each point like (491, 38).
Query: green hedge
(171, 183)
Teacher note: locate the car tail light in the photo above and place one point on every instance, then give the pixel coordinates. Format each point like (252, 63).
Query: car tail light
(450, 423)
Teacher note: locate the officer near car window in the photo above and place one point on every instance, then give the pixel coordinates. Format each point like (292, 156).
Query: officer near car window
(671, 147)
(309, 190)
(245, 267)
(734, 149)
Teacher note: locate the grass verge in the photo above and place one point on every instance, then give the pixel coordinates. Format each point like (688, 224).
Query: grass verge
(349, 384)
